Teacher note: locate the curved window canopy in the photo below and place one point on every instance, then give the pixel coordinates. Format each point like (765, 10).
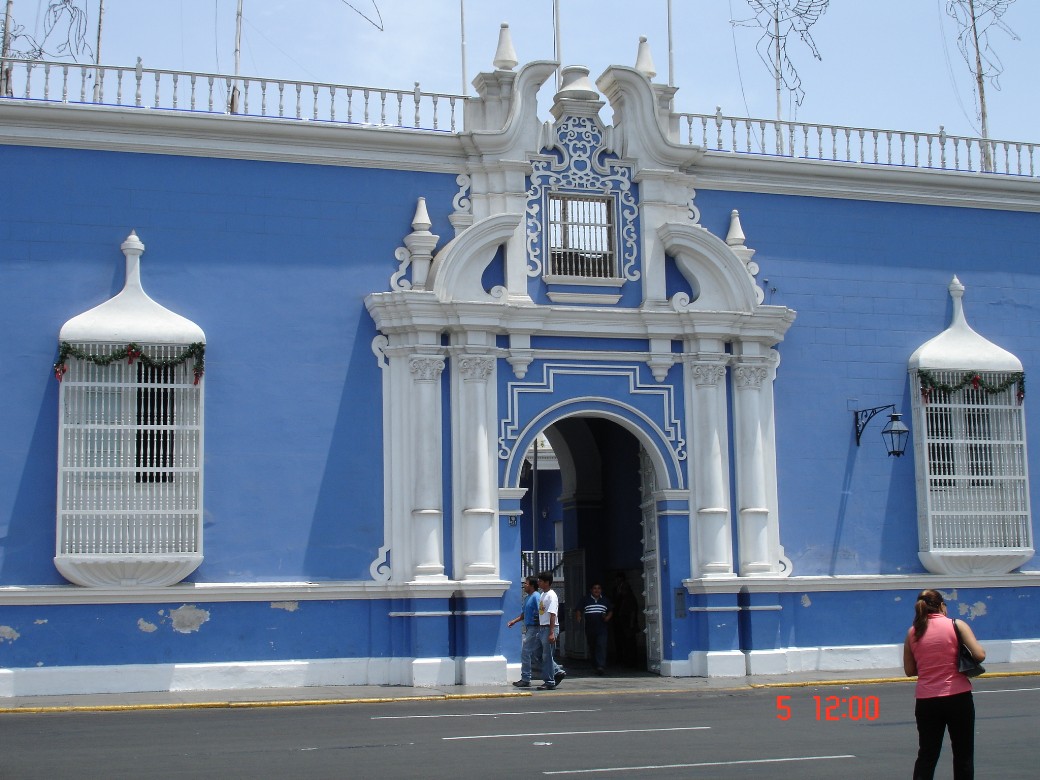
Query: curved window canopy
(130, 441)
(970, 452)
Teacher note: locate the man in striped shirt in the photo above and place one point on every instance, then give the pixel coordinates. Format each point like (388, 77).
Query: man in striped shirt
(595, 613)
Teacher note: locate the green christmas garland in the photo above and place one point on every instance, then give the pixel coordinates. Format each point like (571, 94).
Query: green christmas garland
(930, 384)
(132, 351)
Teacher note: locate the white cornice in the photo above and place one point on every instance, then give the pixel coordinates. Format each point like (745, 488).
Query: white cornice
(250, 591)
(853, 582)
(235, 137)
(407, 311)
(143, 130)
(858, 181)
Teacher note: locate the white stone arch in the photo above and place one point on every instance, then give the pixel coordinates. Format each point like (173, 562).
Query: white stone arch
(457, 269)
(668, 468)
(719, 279)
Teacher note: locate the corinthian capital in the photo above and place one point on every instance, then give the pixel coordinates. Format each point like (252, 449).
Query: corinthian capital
(708, 374)
(750, 377)
(476, 368)
(426, 368)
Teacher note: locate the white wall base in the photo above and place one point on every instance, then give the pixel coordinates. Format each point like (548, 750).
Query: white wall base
(432, 672)
(487, 670)
(828, 659)
(138, 678)
(133, 678)
(728, 663)
(443, 672)
(821, 659)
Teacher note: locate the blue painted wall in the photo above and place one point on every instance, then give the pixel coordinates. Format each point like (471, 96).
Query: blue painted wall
(272, 260)
(869, 282)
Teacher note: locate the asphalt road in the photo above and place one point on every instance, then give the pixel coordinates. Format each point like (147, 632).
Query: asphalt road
(704, 734)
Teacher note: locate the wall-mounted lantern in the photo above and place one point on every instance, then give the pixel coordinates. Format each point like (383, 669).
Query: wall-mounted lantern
(895, 433)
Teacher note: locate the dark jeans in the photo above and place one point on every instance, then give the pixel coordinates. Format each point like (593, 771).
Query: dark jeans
(596, 635)
(934, 717)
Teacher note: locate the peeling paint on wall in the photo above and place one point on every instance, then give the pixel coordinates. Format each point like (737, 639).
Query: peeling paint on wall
(806, 601)
(288, 606)
(972, 611)
(144, 625)
(188, 618)
(9, 634)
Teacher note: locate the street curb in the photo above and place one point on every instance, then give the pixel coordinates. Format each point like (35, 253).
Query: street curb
(230, 705)
(214, 705)
(876, 680)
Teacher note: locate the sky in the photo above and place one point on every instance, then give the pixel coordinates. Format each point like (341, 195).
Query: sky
(885, 64)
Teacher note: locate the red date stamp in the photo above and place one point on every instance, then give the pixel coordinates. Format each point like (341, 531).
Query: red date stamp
(829, 708)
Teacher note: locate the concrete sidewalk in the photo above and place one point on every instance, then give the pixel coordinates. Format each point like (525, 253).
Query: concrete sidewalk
(578, 682)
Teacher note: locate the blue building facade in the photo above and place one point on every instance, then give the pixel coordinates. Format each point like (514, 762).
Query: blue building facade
(393, 316)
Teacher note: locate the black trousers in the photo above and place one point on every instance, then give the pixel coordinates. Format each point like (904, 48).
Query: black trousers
(934, 717)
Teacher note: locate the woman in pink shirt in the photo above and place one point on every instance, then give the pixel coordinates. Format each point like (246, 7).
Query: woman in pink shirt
(943, 693)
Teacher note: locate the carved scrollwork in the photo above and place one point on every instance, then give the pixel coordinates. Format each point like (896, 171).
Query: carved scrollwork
(380, 568)
(461, 201)
(404, 259)
(680, 301)
(582, 163)
(695, 213)
(379, 345)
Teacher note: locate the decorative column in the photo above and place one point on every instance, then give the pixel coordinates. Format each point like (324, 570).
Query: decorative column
(427, 509)
(711, 537)
(476, 532)
(753, 514)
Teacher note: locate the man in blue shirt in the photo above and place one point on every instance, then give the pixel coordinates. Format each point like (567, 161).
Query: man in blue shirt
(532, 646)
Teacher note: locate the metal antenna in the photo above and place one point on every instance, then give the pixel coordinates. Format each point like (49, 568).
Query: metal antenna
(778, 20)
(975, 18)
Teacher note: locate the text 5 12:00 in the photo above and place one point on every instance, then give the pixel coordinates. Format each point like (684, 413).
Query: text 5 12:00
(835, 707)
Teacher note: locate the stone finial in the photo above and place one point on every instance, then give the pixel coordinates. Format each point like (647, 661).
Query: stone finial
(505, 54)
(132, 244)
(735, 236)
(132, 248)
(576, 85)
(420, 244)
(421, 220)
(644, 60)
(956, 296)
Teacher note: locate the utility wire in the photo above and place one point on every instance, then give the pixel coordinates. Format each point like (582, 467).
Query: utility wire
(949, 69)
(740, 76)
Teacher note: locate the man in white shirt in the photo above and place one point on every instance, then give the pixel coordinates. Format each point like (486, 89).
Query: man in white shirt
(549, 630)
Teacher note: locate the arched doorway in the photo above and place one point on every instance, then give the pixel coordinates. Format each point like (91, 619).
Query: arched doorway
(590, 515)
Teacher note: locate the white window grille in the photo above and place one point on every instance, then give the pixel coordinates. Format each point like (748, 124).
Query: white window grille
(581, 236)
(973, 448)
(130, 455)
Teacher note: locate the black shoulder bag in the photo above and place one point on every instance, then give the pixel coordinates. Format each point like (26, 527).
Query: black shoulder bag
(966, 663)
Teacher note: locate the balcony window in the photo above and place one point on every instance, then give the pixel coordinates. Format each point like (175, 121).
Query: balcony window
(581, 237)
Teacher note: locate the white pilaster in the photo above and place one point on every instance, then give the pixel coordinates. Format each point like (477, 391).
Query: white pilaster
(749, 376)
(475, 538)
(427, 508)
(712, 553)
